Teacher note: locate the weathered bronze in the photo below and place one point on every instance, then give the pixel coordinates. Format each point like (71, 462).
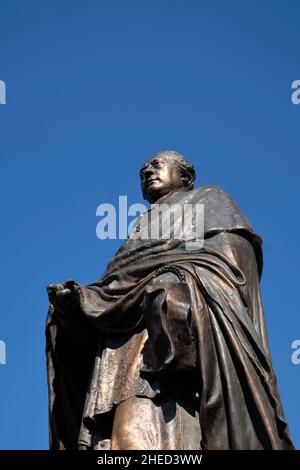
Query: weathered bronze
(168, 349)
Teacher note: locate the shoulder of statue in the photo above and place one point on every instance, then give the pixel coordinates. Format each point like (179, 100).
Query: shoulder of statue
(222, 214)
(211, 192)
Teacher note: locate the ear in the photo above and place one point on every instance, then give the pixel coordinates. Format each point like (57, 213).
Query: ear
(186, 179)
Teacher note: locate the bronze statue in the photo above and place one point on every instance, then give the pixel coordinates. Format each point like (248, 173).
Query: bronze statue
(168, 349)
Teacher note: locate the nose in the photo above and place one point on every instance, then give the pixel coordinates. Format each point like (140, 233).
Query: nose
(149, 171)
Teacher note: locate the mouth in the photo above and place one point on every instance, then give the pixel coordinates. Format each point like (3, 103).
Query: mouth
(152, 180)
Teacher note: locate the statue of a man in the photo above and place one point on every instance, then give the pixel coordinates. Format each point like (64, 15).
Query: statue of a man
(168, 349)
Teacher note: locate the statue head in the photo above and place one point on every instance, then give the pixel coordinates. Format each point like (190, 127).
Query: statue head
(166, 172)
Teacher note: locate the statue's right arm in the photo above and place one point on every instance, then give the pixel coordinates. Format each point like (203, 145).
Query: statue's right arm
(76, 306)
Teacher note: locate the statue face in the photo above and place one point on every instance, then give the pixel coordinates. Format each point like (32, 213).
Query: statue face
(159, 176)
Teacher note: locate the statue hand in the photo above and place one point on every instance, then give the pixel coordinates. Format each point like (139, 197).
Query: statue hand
(64, 297)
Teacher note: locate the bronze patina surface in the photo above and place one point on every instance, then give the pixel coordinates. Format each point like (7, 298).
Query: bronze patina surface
(168, 348)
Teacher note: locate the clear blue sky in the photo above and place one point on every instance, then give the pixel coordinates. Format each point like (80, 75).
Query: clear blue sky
(93, 88)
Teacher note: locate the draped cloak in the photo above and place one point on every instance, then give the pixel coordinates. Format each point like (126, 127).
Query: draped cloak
(201, 339)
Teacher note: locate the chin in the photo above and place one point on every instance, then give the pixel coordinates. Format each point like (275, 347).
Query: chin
(153, 193)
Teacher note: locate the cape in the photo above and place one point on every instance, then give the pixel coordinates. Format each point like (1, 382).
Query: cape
(92, 358)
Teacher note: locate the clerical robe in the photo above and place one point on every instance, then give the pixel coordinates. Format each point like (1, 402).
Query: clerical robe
(168, 348)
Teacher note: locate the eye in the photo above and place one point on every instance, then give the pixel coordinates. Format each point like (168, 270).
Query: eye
(156, 164)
